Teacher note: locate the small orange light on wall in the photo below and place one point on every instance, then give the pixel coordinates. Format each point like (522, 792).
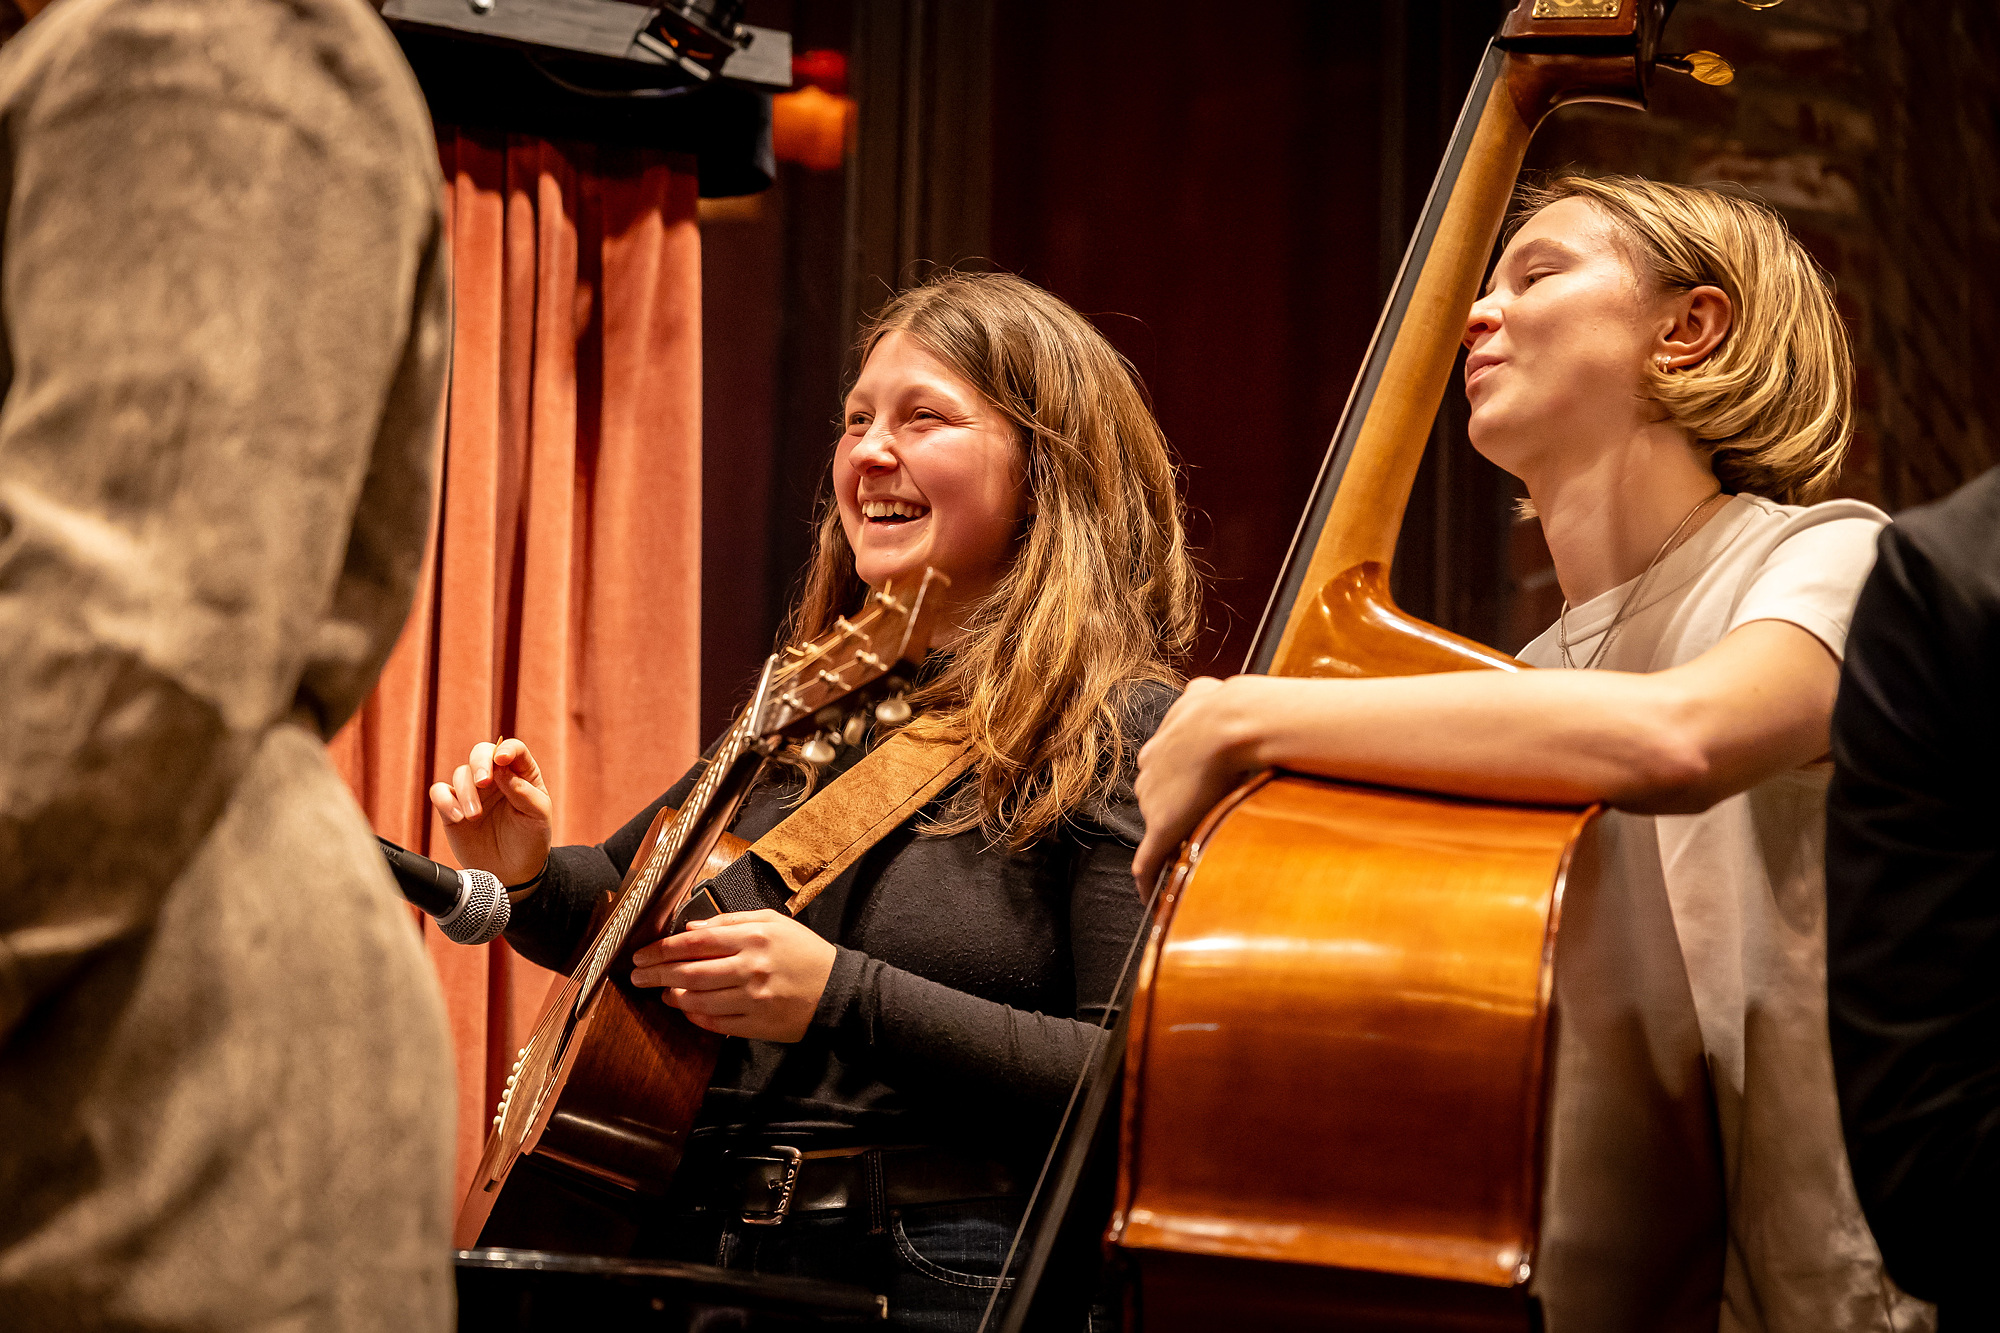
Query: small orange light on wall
(811, 126)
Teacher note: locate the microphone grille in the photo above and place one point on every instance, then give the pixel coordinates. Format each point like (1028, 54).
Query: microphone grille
(484, 912)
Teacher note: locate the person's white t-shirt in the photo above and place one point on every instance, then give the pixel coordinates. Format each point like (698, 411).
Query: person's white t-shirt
(1747, 882)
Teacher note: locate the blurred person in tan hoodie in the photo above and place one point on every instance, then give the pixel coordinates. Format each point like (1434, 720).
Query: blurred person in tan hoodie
(225, 1078)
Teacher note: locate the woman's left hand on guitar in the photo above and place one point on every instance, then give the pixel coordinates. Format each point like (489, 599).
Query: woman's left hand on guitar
(742, 974)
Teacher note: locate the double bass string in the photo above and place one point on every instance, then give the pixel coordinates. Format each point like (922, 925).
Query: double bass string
(1076, 1132)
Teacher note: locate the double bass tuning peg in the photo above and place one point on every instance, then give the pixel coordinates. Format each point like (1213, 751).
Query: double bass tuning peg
(1703, 66)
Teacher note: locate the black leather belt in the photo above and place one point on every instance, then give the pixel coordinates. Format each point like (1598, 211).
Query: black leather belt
(767, 1183)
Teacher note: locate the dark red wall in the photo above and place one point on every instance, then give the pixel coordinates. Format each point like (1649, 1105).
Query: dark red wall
(1213, 195)
(1227, 193)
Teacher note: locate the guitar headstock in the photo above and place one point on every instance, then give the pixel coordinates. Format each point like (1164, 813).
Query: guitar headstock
(820, 692)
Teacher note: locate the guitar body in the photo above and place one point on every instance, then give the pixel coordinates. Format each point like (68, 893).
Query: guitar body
(599, 1105)
(1478, 1082)
(617, 1112)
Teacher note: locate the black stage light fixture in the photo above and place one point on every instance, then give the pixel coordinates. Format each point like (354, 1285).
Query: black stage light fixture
(686, 43)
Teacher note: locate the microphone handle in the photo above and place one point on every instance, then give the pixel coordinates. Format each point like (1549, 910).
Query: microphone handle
(471, 906)
(433, 887)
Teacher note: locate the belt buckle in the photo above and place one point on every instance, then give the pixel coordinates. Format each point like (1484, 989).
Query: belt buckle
(786, 1185)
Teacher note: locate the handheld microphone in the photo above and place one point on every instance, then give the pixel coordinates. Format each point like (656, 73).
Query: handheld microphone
(471, 906)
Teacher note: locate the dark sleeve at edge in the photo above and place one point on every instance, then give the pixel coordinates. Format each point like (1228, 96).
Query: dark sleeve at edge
(1913, 924)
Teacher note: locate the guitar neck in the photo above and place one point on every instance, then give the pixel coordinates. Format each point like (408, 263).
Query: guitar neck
(805, 691)
(703, 830)
(646, 905)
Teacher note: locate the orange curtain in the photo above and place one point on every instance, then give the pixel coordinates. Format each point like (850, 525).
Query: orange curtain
(561, 600)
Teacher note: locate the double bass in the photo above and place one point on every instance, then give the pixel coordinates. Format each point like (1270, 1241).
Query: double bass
(1394, 1059)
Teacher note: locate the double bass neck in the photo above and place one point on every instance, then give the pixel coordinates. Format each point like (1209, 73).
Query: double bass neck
(1331, 613)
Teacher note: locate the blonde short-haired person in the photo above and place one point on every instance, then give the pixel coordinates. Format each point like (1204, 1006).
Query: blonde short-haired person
(1664, 369)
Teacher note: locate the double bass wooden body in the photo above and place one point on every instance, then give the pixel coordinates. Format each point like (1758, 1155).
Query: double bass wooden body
(1399, 1060)
(1413, 1062)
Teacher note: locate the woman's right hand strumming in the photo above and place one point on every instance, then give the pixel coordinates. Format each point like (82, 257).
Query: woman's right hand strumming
(497, 812)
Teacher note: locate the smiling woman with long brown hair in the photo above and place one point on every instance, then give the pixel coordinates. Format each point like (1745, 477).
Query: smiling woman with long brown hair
(1664, 369)
(917, 1028)
(1100, 594)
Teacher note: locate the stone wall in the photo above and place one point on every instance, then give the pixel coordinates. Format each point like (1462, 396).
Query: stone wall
(1874, 127)
(1931, 188)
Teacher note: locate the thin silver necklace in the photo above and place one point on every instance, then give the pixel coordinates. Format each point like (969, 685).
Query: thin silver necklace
(1562, 621)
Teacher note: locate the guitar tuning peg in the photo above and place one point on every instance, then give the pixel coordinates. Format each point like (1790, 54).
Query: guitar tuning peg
(818, 750)
(1703, 66)
(856, 729)
(893, 711)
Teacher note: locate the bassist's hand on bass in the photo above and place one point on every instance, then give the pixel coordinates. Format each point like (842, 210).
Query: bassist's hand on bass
(1201, 751)
(496, 811)
(742, 974)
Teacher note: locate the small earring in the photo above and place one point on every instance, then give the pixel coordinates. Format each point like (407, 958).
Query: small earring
(1663, 361)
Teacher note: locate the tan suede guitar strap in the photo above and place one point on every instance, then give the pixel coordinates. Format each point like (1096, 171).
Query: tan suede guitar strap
(829, 833)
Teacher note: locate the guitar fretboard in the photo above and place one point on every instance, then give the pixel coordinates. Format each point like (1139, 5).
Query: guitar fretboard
(611, 940)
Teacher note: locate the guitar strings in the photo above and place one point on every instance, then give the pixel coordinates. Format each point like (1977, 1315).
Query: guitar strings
(670, 845)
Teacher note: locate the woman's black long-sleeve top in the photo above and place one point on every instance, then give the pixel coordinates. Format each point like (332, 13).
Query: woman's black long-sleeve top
(968, 986)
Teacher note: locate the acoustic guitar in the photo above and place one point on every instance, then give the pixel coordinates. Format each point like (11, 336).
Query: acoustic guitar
(1398, 1060)
(599, 1104)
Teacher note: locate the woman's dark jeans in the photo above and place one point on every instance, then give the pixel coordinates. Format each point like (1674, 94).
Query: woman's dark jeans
(938, 1264)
